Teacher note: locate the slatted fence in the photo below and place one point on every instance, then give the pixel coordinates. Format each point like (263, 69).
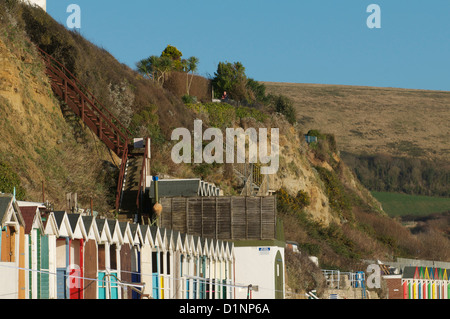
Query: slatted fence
(225, 218)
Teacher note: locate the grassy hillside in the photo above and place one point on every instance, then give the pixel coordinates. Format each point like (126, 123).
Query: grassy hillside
(323, 206)
(393, 139)
(374, 120)
(402, 204)
(38, 145)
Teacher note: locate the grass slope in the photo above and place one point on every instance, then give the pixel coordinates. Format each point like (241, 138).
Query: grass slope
(371, 120)
(395, 204)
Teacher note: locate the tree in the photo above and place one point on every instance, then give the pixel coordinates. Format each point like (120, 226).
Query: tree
(230, 77)
(284, 105)
(191, 65)
(175, 55)
(155, 68)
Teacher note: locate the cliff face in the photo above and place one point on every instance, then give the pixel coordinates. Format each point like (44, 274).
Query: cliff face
(36, 140)
(298, 172)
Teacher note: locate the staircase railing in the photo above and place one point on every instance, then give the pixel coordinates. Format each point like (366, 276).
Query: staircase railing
(93, 113)
(143, 180)
(107, 127)
(123, 167)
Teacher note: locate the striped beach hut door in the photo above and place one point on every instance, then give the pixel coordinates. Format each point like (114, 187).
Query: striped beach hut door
(45, 268)
(61, 283)
(61, 272)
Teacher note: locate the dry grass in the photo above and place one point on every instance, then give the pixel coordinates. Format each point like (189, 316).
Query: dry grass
(374, 120)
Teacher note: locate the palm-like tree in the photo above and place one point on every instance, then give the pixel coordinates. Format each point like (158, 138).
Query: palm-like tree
(191, 66)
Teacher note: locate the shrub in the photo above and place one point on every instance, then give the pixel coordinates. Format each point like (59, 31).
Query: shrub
(8, 180)
(339, 200)
(289, 203)
(284, 105)
(189, 99)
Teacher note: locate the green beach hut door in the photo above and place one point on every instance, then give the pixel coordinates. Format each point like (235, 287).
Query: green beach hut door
(45, 268)
(279, 276)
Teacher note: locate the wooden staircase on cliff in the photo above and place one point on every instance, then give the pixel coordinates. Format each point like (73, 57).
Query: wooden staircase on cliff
(104, 125)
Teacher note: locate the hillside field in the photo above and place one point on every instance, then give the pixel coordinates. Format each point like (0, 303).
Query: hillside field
(371, 120)
(395, 204)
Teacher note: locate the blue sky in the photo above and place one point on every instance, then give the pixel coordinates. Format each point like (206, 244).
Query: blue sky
(301, 41)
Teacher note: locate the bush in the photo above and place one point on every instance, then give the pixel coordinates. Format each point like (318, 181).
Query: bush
(340, 201)
(290, 204)
(284, 105)
(189, 99)
(8, 180)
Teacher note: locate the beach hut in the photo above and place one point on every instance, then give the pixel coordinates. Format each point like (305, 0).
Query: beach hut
(203, 268)
(112, 274)
(76, 256)
(146, 266)
(126, 249)
(12, 249)
(182, 258)
(52, 233)
(157, 263)
(229, 269)
(188, 265)
(103, 245)
(91, 257)
(137, 244)
(63, 254)
(37, 254)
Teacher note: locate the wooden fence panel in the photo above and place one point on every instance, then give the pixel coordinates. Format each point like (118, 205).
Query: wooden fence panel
(226, 218)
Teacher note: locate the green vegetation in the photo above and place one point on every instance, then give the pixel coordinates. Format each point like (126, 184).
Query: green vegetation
(157, 68)
(10, 180)
(284, 105)
(223, 115)
(402, 204)
(319, 239)
(414, 176)
(339, 199)
(231, 78)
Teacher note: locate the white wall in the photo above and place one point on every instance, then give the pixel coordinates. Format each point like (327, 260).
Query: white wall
(256, 266)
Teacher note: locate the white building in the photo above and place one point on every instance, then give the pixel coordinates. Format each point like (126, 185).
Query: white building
(40, 3)
(260, 264)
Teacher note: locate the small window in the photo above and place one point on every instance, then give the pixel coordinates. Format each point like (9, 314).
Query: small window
(112, 257)
(101, 257)
(8, 244)
(154, 262)
(168, 263)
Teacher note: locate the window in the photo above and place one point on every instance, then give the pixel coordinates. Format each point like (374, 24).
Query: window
(154, 262)
(101, 257)
(168, 263)
(112, 257)
(8, 244)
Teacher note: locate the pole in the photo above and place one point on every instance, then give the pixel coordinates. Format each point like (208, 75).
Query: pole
(43, 192)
